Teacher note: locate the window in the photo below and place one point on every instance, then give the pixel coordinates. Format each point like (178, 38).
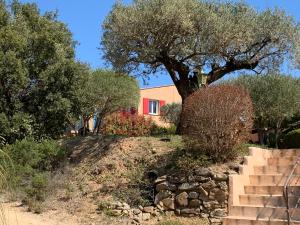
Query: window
(153, 107)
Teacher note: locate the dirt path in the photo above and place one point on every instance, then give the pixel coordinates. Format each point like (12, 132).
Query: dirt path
(12, 214)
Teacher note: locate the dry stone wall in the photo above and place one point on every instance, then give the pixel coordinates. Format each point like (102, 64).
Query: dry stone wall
(203, 193)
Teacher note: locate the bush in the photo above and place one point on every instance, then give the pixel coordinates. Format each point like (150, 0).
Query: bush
(292, 139)
(28, 154)
(127, 124)
(33, 161)
(215, 119)
(36, 192)
(158, 130)
(170, 113)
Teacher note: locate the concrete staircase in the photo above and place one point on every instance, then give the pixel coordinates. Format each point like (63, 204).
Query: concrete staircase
(256, 194)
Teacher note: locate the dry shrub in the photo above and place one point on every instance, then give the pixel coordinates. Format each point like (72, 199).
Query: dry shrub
(128, 124)
(215, 119)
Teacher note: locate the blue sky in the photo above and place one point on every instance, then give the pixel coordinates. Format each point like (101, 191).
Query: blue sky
(84, 19)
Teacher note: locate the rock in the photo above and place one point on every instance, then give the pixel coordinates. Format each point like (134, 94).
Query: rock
(160, 206)
(177, 212)
(126, 206)
(177, 179)
(218, 213)
(116, 212)
(168, 204)
(203, 195)
(190, 211)
(188, 186)
(223, 186)
(209, 205)
(221, 196)
(162, 195)
(136, 211)
(204, 172)
(209, 185)
(220, 177)
(193, 195)
(182, 199)
(146, 216)
(162, 186)
(204, 215)
(148, 209)
(172, 187)
(138, 218)
(160, 179)
(194, 203)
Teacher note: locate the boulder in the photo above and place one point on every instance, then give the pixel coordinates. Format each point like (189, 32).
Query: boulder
(182, 199)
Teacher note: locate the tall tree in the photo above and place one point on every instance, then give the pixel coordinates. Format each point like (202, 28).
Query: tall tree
(196, 41)
(38, 71)
(276, 100)
(106, 92)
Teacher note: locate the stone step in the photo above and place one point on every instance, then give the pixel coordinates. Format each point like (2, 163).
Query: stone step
(271, 190)
(273, 170)
(264, 212)
(282, 161)
(285, 152)
(268, 200)
(236, 220)
(273, 180)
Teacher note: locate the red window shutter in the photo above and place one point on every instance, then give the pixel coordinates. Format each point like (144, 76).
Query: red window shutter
(145, 105)
(161, 104)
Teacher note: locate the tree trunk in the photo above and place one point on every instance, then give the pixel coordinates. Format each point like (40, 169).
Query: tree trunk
(99, 125)
(277, 133)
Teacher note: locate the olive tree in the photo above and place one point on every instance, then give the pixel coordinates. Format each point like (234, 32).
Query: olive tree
(38, 72)
(105, 92)
(197, 41)
(276, 99)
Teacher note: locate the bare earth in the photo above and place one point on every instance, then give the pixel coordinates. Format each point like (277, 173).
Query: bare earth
(13, 214)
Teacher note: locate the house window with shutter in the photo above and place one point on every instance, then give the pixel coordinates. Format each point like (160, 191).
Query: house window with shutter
(153, 107)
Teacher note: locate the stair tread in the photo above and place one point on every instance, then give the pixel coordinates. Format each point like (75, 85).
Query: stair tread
(268, 196)
(257, 219)
(261, 206)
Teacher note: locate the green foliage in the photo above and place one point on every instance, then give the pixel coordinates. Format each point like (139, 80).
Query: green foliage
(188, 161)
(183, 36)
(36, 192)
(33, 162)
(215, 119)
(106, 92)
(158, 130)
(276, 99)
(38, 72)
(292, 139)
(170, 113)
(29, 155)
(127, 124)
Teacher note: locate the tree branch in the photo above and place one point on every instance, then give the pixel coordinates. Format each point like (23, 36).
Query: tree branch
(231, 66)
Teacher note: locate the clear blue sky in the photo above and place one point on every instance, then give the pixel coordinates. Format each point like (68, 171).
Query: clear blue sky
(84, 19)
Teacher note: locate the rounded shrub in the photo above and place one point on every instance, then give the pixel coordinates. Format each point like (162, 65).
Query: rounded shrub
(215, 119)
(292, 139)
(127, 124)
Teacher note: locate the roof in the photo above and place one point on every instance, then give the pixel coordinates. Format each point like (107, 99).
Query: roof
(170, 85)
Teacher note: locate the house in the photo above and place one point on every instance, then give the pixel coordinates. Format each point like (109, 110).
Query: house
(152, 99)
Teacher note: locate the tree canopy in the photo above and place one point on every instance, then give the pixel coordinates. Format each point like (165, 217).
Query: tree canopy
(38, 72)
(196, 39)
(276, 99)
(106, 92)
